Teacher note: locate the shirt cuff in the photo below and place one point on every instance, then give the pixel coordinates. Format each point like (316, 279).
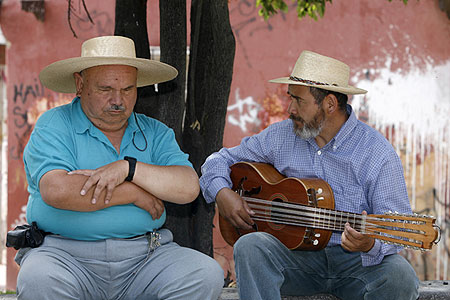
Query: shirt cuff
(373, 256)
(375, 249)
(213, 188)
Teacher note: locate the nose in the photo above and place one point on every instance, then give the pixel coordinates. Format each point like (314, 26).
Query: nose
(116, 98)
(291, 108)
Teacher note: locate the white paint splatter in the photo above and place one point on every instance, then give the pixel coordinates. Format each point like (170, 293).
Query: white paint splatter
(247, 110)
(413, 110)
(22, 219)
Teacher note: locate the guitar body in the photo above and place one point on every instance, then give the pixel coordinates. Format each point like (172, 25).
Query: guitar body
(262, 181)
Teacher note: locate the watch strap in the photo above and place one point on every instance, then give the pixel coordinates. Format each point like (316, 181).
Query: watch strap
(131, 167)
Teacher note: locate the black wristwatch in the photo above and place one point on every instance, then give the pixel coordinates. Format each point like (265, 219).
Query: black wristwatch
(131, 167)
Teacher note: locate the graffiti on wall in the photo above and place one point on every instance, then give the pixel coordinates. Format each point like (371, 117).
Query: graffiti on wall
(102, 24)
(246, 112)
(24, 94)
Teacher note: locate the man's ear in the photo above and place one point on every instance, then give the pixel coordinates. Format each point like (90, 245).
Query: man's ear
(78, 82)
(330, 103)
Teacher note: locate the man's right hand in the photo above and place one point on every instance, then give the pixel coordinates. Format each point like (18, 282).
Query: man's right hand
(150, 203)
(234, 209)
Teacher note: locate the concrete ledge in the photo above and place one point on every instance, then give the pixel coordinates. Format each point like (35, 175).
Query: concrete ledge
(429, 290)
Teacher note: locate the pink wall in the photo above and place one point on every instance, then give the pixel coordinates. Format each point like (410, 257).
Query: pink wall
(390, 48)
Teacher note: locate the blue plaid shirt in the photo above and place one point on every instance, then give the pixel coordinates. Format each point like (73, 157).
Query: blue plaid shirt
(359, 164)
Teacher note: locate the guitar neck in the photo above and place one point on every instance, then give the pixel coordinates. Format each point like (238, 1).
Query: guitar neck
(410, 231)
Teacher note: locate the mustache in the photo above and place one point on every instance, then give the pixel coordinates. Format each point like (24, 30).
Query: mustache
(116, 107)
(295, 118)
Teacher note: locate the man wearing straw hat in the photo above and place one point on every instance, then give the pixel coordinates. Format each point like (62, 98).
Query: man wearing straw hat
(321, 139)
(98, 174)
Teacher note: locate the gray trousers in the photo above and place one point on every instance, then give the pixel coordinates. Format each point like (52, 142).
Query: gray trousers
(136, 268)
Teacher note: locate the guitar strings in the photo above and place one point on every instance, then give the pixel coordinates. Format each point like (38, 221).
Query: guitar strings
(302, 215)
(308, 217)
(311, 211)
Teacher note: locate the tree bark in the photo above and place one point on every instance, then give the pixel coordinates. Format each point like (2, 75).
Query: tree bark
(209, 81)
(170, 106)
(131, 21)
(204, 110)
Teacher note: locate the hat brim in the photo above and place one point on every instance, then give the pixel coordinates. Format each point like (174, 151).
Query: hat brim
(349, 90)
(58, 76)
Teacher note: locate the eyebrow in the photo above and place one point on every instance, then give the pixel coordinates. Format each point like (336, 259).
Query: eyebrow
(110, 87)
(295, 97)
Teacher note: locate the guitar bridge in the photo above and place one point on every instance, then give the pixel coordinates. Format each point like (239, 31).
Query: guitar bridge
(311, 237)
(312, 197)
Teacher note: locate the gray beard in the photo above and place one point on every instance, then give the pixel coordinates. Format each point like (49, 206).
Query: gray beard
(307, 132)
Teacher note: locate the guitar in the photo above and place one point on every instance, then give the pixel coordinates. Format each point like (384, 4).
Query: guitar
(300, 213)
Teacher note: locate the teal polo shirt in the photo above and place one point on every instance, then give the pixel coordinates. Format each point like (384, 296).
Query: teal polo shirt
(65, 139)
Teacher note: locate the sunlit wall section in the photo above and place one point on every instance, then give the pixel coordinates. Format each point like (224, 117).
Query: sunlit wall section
(412, 109)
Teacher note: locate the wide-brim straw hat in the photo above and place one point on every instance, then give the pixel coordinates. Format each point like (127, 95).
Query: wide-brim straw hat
(104, 50)
(312, 69)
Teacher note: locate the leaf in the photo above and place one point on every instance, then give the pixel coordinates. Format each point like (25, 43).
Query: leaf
(312, 8)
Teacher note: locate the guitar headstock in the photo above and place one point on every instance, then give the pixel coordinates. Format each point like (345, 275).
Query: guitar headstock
(415, 231)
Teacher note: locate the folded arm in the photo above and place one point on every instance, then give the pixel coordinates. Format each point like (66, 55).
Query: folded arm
(177, 184)
(61, 190)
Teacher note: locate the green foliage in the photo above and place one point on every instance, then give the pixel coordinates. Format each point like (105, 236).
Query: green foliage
(8, 293)
(404, 1)
(312, 8)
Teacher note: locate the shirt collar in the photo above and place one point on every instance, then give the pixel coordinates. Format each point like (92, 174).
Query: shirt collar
(79, 118)
(346, 129)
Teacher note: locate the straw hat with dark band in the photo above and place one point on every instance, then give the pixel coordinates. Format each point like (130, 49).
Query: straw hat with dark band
(312, 69)
(105, 50)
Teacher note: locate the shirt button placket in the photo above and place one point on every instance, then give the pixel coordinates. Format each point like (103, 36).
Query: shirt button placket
(318, 164)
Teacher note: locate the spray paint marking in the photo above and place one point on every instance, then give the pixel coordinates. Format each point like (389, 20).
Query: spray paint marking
(247, 110)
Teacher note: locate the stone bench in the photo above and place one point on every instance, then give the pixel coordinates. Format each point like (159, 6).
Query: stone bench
(429, 290)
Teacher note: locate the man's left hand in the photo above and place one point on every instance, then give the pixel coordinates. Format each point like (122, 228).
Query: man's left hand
(106, 177)
(353, 240)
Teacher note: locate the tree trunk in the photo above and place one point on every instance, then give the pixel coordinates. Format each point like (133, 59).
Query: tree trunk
(210, 71)
(131, 21)
(171, 103)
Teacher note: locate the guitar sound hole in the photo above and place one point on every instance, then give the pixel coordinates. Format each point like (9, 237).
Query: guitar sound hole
(274, 217)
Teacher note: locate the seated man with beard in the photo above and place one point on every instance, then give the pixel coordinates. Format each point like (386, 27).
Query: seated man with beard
(321, 139)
